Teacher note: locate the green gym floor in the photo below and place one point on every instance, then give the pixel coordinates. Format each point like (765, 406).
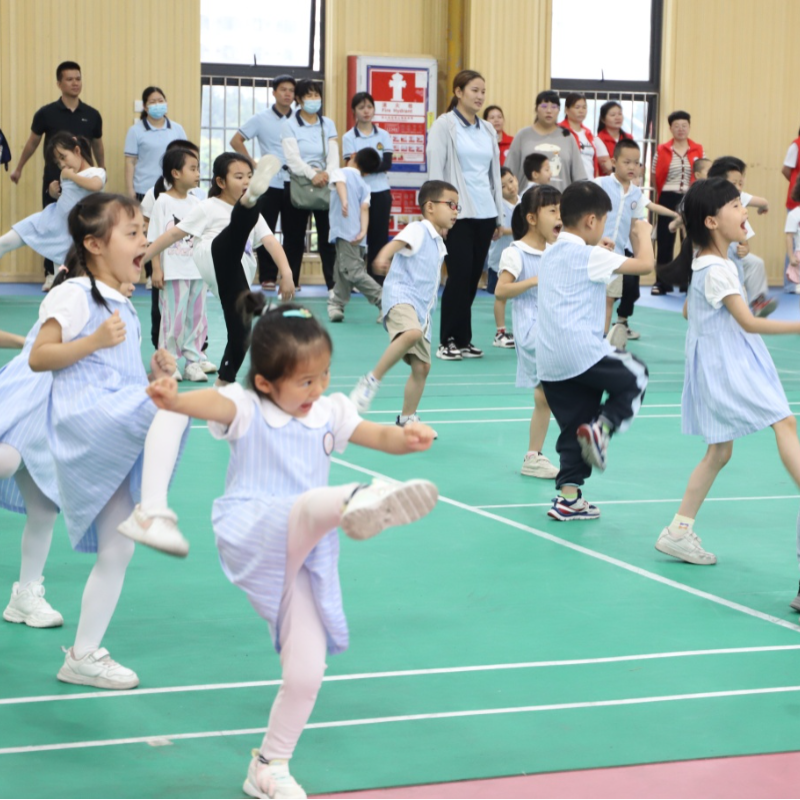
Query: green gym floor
(486, 640)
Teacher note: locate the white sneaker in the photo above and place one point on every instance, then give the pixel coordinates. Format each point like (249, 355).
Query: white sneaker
(593, 440)
(195, 373)
(335, 314)
(207, 366)
(618, 336)
(156, 529)
(267, 168)
(412, 418)
(48, 282)
(364, 393)
(382, 505)
(177, 375)
(97, 669)
(538, 465)
(505, 340)
(271, 779)
(449, 351)
(148, 284)
(687, 548)
(27, 604)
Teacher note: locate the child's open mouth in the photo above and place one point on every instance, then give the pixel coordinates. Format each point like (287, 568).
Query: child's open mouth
(557, 229)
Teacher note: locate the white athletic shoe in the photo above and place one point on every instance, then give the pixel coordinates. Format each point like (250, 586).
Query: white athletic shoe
(687, 548)
(195, 373)
(178, 375)
(271, 779)
(156, 529)
(538, 465)
(364, 393)
(97, 669)
(618, 336)
(335, 314)
(48, 282)
(267, 168)
(207, 366)
(27, 605)
(412, 418)
(382, 505)
(505, 340)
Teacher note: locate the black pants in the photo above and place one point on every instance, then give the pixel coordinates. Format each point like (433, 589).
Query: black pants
(679, 271)
(630, 294)
(579, 400)
(226, 251)
(270, 206)
(665, 239)
(380, 209)
(467, 247)
(294, 224)
(49, 267)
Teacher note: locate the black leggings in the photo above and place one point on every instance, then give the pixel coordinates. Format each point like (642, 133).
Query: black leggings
(227, 250)
(294, 223)
(467, 247)
(270, 204)
(665, 239)
(380, 208)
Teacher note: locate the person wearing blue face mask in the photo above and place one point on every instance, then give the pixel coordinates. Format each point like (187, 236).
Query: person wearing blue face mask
(147, 142)
(311, 149)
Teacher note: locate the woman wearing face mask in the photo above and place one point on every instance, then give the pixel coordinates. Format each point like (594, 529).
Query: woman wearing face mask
(147, 142)
(311, 149)
(545, 136)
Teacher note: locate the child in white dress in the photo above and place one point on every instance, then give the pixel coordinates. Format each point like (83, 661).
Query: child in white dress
(275, 526)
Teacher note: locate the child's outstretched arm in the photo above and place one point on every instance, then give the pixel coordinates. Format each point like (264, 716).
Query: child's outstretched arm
(286, 282)
(207, 404)
(667, 212)
(760, 203)
(167, 239)
(741, 313)
(384, 258)
(50, 353)
(11, 341)
(508, 286)
(413, 437)
(643, 259)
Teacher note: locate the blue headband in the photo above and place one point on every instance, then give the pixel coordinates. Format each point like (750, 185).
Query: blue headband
(302, 313)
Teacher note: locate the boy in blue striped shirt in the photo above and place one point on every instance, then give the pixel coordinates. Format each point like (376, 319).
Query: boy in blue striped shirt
(413, 260)
(576, 364)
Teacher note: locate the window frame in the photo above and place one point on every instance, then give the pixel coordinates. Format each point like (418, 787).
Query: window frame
(652, 85)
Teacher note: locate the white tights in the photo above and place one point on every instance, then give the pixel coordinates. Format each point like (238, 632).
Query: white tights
(40, 516)
(303, 639)
(10, 241)
(161, 448)
(105, 581)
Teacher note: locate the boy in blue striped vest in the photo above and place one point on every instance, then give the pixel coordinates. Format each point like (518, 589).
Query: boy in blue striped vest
(575, 362)
(409, 296)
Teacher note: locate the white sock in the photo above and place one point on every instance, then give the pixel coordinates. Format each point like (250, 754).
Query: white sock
(372, 379)
(404, 418)
(680, 526)
(161, 448)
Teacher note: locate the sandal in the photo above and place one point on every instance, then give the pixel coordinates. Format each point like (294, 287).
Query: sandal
(656, 290)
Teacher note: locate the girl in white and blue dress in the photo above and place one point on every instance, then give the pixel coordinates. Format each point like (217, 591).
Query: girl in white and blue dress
(731, 387)
(535, 223)
(47, 232)
(99, 413)
(275, 526)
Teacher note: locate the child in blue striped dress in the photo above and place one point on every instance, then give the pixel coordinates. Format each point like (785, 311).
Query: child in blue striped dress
(536, 222)
(28, 482)
(99, 413)
(731, 387)
(275, 526)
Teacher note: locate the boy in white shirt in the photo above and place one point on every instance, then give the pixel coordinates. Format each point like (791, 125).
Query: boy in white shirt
(349, 219)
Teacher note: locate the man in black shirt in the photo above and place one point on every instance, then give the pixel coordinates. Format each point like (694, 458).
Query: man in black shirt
(68, 113)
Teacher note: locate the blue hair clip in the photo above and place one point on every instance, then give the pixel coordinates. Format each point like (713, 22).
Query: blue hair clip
(302, 313)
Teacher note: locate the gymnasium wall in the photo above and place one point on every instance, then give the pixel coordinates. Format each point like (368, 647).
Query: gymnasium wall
(122, 47)
(732, 64)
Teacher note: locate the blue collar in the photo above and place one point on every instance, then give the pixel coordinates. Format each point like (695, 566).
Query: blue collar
(301, 122)
(359, 135)
(464, 119)
(149, 127)
(278, 113)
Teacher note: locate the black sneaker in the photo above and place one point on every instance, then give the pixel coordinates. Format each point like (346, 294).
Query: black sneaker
(449, 351)
(795, 604)
(470, 351)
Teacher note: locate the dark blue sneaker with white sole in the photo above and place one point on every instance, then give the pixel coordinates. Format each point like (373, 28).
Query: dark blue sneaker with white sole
(567, 510)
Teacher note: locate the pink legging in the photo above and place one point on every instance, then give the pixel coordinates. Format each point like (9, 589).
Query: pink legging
(303, 640)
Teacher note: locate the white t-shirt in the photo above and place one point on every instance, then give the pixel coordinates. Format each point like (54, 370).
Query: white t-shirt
(176, 261)
(68, 305)
(205, 222)
(722, 280)
(793, 226)
(511, 260)
(746, 198)
(149, 198)
(600, 147)
(791, 156)
(337, 407)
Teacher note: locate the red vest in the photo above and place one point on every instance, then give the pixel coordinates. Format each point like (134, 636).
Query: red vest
(590, 136)
(664, 152)
(504, 144)
(608, 140)
(790, 204)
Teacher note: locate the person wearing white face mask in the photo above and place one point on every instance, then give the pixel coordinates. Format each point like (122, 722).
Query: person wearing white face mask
(146, 143)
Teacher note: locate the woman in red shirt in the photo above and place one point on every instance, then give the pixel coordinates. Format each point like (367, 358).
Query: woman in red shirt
(609, 132)
(494, 116)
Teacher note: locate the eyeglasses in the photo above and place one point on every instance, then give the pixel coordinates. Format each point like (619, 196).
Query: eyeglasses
(450, 203)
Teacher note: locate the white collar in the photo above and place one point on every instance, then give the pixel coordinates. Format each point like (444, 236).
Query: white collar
(619, 183)
(566, 236)
(432, 230)
(276, 417)
(701, 262)
(511, 205)
(526, 248)
(104, 289)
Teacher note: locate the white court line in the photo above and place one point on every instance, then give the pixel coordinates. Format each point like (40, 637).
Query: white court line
(406, 673)
(752, 612)
(644, 502)
(350, 723)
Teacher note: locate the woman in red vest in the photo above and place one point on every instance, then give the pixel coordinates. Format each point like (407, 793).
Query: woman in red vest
(494, 116)
(609, 132)
(575, 108)
(672, 176)
(791, 169)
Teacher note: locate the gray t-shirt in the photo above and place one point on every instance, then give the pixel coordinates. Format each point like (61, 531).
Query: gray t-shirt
(558, 145)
